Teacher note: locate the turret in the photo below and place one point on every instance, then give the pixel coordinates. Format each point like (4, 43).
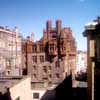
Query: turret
(49, 25)
(58, 26)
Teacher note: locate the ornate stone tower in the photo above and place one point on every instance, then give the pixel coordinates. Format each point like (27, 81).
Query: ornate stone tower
(52, 58)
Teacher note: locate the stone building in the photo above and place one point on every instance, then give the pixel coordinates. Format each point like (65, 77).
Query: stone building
(92, 32)
(52, 58)
(18, 88)
(10, 52)
(81, 63)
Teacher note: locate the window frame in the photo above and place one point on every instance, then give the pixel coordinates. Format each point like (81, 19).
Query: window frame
(36, 95)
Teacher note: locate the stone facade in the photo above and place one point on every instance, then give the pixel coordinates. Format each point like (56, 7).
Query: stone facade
(92, 32)
(22, 90)
(81, 62)
(10, 52)
(18, 88)
(53, 57)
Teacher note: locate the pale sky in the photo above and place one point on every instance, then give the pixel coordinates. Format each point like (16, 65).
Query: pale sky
(31, 15)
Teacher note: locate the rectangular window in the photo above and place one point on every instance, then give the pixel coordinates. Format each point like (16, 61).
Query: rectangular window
(45, 69)
(41, 48)
(34, 59)
(41, 58)
(34, 49)
(57, 64)
(52, 47)
(34, 76)
(35, 95)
